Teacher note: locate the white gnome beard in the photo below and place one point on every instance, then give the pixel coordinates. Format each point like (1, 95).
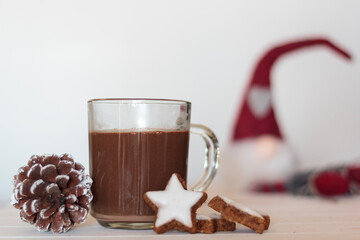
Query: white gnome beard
(261, 159)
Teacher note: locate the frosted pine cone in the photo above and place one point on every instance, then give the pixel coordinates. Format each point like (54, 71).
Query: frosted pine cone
(52, 192)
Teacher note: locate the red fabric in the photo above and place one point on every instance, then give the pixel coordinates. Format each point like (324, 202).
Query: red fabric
(264, 188)
(331, 184)
(280, 187)
(270, 187)
(247, 125)
(354, 173)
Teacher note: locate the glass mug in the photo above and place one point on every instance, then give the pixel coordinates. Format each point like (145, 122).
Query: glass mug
(135, 145)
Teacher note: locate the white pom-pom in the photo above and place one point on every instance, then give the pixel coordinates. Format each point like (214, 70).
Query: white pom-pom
(262, 159)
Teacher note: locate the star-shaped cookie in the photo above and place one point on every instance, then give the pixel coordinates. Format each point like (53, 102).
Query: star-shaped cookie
(175, 206)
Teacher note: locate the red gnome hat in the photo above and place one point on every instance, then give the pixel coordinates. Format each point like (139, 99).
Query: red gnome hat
(256, 116)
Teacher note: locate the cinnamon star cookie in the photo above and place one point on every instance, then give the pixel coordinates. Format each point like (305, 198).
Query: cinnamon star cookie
(175, 206)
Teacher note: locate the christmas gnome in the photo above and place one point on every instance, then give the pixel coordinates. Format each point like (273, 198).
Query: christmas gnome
(258, 151)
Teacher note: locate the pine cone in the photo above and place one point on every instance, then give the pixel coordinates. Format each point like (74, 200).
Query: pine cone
(52, 192)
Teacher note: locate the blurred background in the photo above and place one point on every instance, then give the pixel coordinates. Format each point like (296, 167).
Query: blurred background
(56, 55)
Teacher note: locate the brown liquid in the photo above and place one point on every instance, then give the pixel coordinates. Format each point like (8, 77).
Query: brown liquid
(125, 165)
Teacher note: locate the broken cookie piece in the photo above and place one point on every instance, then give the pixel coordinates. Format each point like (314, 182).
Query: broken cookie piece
(237, 212)
(213, 223)
(223, 225)
(267, 221)
(205, 224)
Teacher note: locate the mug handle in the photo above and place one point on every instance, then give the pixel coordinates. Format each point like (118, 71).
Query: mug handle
(211, 156)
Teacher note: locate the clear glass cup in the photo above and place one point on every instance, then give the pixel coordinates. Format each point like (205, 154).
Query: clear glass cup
(134, 146)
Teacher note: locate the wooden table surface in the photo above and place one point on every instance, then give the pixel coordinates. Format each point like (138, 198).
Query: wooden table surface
(292, 217)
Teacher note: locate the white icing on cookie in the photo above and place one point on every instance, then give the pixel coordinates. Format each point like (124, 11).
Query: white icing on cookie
(202, 217)
(242, 207)
(215, 216)
(208, 216)
(174, 203)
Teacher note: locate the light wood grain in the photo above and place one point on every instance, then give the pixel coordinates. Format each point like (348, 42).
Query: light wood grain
(291, 218)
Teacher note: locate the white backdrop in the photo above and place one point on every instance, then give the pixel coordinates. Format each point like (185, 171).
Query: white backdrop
(55, 55)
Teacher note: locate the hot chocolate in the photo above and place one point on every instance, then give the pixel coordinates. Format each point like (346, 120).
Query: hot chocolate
(124, 165)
